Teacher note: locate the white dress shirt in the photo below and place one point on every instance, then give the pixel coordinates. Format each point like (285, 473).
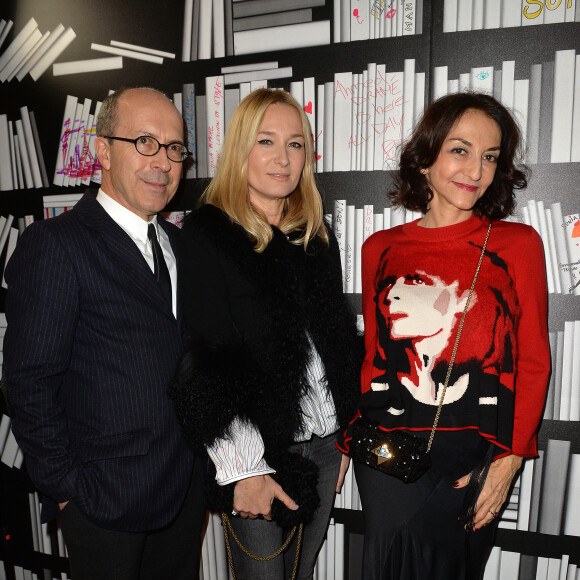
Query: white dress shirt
(136, 229)
(241, 455)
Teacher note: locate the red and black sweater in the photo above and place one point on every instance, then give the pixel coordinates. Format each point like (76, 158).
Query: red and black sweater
(415, 284)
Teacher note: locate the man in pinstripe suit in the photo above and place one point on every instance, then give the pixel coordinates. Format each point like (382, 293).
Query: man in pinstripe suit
(91, 345)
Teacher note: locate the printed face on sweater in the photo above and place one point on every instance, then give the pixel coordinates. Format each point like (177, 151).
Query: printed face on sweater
(420, 306)
(276, 160)
(464, 168)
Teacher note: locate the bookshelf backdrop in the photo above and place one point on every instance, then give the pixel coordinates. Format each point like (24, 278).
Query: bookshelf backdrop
(363, 71)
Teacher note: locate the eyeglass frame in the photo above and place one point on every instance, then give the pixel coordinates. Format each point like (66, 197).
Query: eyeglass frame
(165, 145)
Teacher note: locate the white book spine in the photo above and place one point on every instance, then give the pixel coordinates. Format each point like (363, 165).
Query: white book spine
(6, 181)
(567, 356)
(572, 515)
(205, 28)
(359, 234)
(450, 8)
(87, 66)
(543, 231)
(282, 37)
(477, 15)
(510, 14)
(30, 148)
(309, 104)
(339, 228)
(481, 79)
(52, 53)
(526, 479)
(555, 12)
(219, 29)
(563, 261)
(342, 121)
(359, 20)
(419, 100)
(521, 102)
(377, 116)
(409, 96)
(575, 145)
(5, 30)
(562, 107)
(187, 31)
(552, 251)
(24, 155)
(350, 249)
(370, 109)
(341, 548)
(393, 119)
(330, 550)
(328, 127)
(491, 14)
(215, 119)
(336, 24)
(575, 375)
(532, 13)
(409, 17)
(464, 15)
(572, 234)
(319, 151)
(440, 81)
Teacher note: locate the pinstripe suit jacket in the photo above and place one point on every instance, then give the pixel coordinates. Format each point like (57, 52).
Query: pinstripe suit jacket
(90, 348)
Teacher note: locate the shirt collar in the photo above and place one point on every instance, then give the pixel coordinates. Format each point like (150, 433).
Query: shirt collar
(134, 225)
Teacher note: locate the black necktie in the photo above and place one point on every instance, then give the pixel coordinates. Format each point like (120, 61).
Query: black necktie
(161, 272)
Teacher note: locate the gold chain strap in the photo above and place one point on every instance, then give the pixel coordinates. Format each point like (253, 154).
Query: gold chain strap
(455, 346)
(227, 526)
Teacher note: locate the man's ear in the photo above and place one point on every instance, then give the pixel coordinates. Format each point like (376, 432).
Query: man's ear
(102, 150)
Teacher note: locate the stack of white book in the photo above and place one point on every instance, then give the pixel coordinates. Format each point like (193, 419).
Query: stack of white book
(9, 232)
(464, 15)
(561, 238)
(563, 402)
(546, 104)
(352, 226)
(369, 19)
(10, 454)
(21, 161)
(358, 122)
(31, 51)
(218, 28)
(76, 162)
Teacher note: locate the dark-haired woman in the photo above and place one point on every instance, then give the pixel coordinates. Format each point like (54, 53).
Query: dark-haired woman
(458, 169)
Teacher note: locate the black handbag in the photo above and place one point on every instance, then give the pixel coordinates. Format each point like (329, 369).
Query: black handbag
(400, 453)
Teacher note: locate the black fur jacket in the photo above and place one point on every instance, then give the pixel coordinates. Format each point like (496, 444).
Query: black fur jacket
(248, 315)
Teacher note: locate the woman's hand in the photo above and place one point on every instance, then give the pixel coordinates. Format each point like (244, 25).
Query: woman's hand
(253, 497)
(345, 462)
(495, 489)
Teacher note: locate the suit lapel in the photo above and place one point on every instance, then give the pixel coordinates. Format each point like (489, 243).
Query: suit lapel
(115, 242)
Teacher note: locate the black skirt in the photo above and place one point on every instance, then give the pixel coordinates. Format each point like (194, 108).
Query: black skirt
(413, 530)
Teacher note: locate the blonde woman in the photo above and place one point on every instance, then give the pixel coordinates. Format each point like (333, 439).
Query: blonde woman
(272, 374)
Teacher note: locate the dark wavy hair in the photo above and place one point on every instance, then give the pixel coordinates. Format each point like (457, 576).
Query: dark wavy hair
(411, 189)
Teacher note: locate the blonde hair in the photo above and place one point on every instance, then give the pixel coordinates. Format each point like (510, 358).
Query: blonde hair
(228, 189)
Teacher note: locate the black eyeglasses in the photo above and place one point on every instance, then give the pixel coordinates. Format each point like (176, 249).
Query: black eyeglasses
(149, 146)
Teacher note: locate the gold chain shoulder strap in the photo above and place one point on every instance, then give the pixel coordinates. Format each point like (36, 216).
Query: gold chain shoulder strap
(457, 339)
(227, 526)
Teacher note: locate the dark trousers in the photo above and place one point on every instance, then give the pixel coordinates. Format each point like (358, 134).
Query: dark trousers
(171, 552)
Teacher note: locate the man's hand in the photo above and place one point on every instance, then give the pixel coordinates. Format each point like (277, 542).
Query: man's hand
(253, 497)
